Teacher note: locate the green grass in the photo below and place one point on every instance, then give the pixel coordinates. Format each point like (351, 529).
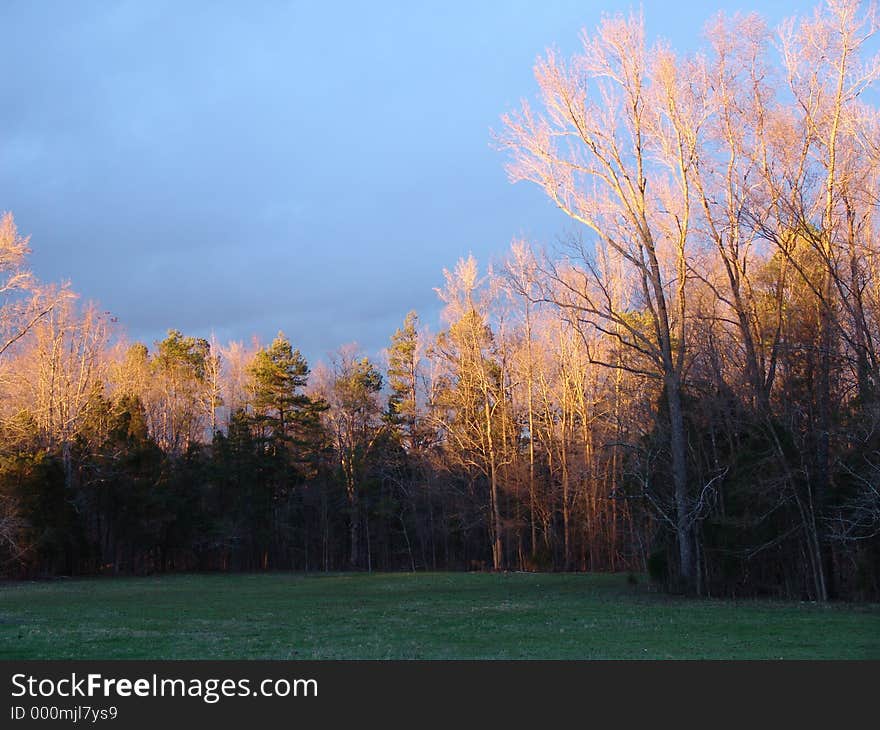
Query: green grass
(412, 616)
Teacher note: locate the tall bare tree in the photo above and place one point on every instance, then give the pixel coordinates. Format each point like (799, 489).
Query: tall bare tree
(609, 150)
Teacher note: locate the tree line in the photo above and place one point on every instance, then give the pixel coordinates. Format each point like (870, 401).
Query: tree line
(688, 386)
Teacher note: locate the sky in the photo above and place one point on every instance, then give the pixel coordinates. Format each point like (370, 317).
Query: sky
(243, 168)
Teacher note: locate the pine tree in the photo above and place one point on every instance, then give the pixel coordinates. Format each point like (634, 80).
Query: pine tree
(403, 362)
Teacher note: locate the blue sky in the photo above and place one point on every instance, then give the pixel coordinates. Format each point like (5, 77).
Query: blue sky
(248, 167)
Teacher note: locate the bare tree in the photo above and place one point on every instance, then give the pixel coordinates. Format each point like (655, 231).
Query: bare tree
(23, 302)
(470, 409)
(611, 121)
(351, 390)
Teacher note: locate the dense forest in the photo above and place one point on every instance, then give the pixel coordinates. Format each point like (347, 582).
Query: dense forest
(687, 386)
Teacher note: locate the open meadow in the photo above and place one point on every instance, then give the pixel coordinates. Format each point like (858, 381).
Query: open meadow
(413, 616)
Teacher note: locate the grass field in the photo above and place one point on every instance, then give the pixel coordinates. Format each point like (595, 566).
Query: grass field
(412, 616)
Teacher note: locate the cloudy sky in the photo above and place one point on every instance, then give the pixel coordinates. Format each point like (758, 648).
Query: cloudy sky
(245, 167)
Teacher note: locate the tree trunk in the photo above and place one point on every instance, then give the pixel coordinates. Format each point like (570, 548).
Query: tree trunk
(353, 525)
(684, 518)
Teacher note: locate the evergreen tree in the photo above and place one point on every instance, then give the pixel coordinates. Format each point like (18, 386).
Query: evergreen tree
(403, 360)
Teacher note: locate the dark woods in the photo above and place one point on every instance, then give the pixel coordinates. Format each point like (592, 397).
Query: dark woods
(446, 460)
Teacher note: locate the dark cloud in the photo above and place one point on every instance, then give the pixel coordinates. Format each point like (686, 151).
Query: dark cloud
(248, 167)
